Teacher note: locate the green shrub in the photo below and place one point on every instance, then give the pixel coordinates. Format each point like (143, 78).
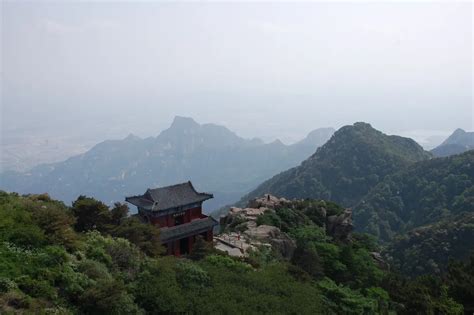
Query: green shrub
(191, 276)
(7, 285)
(227, 262)
(36, 288)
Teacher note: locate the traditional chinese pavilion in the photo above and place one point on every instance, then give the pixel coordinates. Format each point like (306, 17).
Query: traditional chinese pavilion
(177, 210)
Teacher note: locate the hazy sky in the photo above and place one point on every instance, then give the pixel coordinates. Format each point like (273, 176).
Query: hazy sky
(270, 70)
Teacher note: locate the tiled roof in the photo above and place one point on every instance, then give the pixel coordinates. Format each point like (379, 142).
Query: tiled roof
(139, 201)
(187, 229)
(169, 197)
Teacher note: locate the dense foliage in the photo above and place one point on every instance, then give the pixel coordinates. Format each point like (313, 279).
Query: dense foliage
(460, 281)
(423, 193)
(429, 249)
(90, 259)
(350, 279)
(301, 213)
(354, 160)
(66, 264)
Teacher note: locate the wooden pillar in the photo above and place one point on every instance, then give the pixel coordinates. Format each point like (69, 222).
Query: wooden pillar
(190, 243)
(176, 248)
(170, 250)
(209, 236)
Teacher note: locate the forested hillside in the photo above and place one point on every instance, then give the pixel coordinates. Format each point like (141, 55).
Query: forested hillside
(424, 193)
(90, 259)
(430, 248)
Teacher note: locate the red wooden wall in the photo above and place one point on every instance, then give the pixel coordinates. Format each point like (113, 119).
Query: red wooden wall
(168, 220)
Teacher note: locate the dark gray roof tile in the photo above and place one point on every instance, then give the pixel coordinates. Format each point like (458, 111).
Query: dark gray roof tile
(168, 197)
(187, 229)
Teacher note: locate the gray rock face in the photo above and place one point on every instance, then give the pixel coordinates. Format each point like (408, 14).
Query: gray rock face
(272, 235)
(378, 259)
(340, 226)
(267, 201)
(262, 232)
(284, 245)
(252, 236)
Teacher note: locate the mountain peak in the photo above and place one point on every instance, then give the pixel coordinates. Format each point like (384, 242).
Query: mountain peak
(180, 122)
(317, 137)
(324, 133)
(361, 124)
(277, 142)
(459, 131)
(363, 135)
(460, 137)
(359, 130)
(344, 169)
(358, 126)
(318, 131)
(458, 142)
(131, 136)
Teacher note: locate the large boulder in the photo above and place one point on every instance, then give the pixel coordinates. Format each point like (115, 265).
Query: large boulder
(267, 201)
(340, 226)
(272, 235)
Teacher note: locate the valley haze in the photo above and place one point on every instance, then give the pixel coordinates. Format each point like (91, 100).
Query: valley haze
(236, 157)
(78, 73)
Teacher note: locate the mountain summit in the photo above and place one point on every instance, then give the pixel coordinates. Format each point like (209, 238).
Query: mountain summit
(317, 136)
(458, 142)
(183, 123)
(460, 136)
(355, 159)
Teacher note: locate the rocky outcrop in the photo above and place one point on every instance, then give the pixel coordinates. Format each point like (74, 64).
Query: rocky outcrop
(246, 235)
(241, 230)
(267, 234)
(340, 226)
(380, 261)
(267, 201)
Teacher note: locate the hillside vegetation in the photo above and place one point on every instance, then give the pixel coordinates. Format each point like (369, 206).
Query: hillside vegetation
(423, 193)
(397, 192)
(429, 249)
(90, 259)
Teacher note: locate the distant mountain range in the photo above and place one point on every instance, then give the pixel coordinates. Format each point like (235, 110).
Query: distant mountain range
(460, 141)
(213, 157)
